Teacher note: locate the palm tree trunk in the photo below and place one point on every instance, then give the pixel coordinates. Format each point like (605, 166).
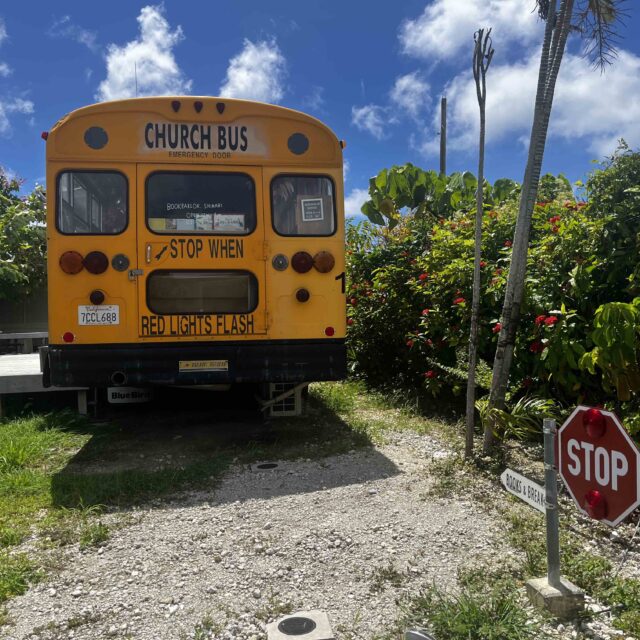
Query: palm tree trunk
(481, 60)
(555, 38)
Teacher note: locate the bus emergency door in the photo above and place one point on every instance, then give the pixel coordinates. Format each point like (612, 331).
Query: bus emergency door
(201, 253)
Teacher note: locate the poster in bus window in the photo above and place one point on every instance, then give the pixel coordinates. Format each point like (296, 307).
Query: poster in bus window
(204, 222)
(185, 224)
(229, 222)
(314, 215)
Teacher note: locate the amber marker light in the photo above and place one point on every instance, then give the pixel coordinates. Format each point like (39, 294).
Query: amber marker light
(67, 336)
(71, 262)
(323, 261)
(301, 262)
(302, 295)
(96, 262)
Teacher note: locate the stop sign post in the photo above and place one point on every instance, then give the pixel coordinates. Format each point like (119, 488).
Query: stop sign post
(599, 464)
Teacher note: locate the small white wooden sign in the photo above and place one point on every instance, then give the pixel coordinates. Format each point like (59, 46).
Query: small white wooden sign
(528, 490)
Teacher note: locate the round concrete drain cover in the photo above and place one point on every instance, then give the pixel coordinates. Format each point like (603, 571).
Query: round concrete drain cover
(268, 465)
(297, 626)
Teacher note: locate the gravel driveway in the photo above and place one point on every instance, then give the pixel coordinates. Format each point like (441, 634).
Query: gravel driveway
(346, 534)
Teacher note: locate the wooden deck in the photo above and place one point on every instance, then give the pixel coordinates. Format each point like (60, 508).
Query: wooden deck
(21, 374)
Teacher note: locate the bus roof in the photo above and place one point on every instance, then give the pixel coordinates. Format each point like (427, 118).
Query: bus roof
(193, 129)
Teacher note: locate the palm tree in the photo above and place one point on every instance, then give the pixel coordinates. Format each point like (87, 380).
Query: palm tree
(482, 55)
(595, 21)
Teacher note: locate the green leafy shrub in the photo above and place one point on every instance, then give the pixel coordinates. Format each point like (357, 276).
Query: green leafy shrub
(410, 284)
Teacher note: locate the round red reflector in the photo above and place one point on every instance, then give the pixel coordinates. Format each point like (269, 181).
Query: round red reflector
(323, 261)
(595, 505)
(329, 331)
(96, 297)
(594, 423)
(302, 295)
(96, 262)
(301, 262)
(71, 262)
(68, 336)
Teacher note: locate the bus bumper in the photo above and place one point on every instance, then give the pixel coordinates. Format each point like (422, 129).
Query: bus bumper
(192, 364)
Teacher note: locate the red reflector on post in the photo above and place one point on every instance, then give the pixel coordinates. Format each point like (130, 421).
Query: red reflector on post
(594, 423)
(329, 331)
(68, 336)
(595, 505)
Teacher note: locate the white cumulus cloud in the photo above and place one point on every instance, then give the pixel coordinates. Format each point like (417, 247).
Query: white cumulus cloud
(445, 28)
(590, 108)
(11, 106)
(5, 69)
(256, 73)
(411, 93)
(354, 201)
(372, 118)
(150, 57)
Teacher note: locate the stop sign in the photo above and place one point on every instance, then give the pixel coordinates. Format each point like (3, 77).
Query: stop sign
(599, 464)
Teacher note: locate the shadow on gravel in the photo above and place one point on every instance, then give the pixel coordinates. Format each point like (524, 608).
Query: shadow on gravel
(186, 439)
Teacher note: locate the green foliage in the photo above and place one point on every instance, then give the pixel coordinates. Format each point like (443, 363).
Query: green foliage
(410, 286)
(477, 612)
(522, 420)
(22, 239)
(426, 194)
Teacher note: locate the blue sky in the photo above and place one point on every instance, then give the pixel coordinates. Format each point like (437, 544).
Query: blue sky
(374, 71)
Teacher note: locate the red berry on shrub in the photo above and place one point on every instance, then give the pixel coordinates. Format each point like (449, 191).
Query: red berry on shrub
(497, 327)
(409, 343)
(422, 276)
(537, 347)
(430, 342)
(353, 302)
(483, 263)
(551, 320)
(508, 243)
(540, 319)
(349, 321)
(430, 374)
(425, 312)
(459, 300)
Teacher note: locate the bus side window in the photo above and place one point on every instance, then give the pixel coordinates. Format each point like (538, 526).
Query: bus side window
(91, 203)
(303, 205)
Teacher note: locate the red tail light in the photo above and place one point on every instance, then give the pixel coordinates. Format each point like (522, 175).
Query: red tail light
(96, 262)
(68, 336)
(329, 331)
(71, 262)
(301, 262)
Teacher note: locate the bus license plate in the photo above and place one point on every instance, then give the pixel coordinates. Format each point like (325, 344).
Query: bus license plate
(98, 315)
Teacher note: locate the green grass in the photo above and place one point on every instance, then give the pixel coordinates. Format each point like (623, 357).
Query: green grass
(17, 571)
(475, 612)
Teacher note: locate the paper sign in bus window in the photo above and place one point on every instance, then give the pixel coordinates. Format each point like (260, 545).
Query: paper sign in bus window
(228, 222)
(312, 210)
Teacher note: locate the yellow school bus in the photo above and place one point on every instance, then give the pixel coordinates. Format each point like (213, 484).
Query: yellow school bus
(194, 241)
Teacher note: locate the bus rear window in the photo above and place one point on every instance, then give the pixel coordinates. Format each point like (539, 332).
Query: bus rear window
(91, 202)
(303, 205)
(187, 292)
(198, 203)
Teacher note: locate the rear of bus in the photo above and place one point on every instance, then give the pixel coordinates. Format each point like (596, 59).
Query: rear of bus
(194, 241)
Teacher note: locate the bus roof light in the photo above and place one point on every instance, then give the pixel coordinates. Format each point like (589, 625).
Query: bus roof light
(175, 105)
(220, 107)
(197, 105)
(44, 135)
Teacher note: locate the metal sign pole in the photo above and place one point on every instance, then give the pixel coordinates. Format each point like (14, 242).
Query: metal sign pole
(551, 497)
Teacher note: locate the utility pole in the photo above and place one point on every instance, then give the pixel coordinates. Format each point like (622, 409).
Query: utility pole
(443, 136)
